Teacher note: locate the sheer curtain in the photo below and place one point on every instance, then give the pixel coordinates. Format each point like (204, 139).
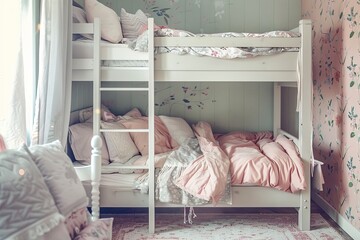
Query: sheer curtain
(12, 91)
(52, 108)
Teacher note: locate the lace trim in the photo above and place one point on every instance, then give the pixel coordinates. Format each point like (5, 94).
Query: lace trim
(39, 228)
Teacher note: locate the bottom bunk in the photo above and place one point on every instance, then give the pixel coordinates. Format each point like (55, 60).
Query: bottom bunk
(283, 171)
(118, 190)
(114, 195)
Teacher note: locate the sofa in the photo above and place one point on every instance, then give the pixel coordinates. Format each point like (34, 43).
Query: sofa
(43, 198)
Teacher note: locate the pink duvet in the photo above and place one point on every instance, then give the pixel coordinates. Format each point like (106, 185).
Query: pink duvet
(206, 176)
(252, 158)
(257, 159)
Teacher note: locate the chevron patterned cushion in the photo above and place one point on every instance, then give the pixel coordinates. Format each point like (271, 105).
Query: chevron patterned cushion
(27, 209)
(133, 25)
(60, 177)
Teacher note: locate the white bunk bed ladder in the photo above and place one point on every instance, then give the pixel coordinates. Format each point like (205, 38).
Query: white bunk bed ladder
(94, 173)
(96, 141)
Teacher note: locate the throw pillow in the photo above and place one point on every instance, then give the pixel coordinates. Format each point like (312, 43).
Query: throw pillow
(133, 25)
(110, 23)
(162, 136)
(86, 114)
(28, 209)
(133, 113)
(60, 176)
(178, 128)
(80, 136)
(120, 145)
(79, 16)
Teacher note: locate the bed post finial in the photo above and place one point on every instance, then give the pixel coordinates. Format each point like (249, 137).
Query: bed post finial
(96, 144)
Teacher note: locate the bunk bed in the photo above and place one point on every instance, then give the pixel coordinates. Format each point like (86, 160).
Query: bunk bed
(285, 69)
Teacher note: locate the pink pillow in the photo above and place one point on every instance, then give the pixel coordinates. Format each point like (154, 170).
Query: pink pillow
(110, 22)
(162, 136)
(80, 136)
(133, 113)
(86, 115)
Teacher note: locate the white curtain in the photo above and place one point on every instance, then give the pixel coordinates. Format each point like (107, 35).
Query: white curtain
(52, 108)
(12, 92)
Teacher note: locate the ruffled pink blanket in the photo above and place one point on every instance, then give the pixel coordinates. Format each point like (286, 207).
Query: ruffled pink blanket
(252, 158)
(205, 177)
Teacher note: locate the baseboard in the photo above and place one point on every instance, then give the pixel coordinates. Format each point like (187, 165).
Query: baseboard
(340, 220)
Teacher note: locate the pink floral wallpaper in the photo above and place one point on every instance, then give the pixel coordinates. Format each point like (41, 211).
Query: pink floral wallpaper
(336, 71)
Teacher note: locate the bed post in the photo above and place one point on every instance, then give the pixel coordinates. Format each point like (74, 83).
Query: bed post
(277, 109)
(96, 141)
(151, 140)
(96, 144)
(305, 120)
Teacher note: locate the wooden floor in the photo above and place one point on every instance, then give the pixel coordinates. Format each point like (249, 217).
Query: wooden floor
(314, 209)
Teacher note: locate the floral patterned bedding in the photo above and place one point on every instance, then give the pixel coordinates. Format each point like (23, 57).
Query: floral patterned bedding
(141, 44)
(177, 161)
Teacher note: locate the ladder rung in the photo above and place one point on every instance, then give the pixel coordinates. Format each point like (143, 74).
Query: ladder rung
(126, 167)
(123, 89)
(124, 130)
(125, 68)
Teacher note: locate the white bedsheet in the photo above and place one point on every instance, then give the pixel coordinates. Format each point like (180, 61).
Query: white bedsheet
(117, 181)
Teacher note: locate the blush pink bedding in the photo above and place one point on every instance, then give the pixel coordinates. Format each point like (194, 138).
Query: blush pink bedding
(206, 176)
(257, 159)
(252, 158)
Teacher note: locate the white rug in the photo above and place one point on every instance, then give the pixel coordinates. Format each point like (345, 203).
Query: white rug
(216, 226)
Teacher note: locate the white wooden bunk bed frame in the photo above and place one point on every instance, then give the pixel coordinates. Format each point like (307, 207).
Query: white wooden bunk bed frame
(286, 69)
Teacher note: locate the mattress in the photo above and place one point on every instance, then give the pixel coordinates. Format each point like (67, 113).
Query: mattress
(117, 181)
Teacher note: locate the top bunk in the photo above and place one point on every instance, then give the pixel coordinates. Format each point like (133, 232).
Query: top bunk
(119, 62)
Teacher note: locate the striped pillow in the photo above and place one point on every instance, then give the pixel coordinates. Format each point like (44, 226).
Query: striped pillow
(133, 25)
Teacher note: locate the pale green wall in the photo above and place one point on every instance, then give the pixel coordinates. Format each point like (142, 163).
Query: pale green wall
(227, 106)
(211, 16)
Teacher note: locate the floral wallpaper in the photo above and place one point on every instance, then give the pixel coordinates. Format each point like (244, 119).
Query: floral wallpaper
(336, 72)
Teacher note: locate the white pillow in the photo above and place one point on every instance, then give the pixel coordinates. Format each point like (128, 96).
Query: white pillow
(133, 25)
(120, 145)
(178, 128)
(60, 176)
(110, 23)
